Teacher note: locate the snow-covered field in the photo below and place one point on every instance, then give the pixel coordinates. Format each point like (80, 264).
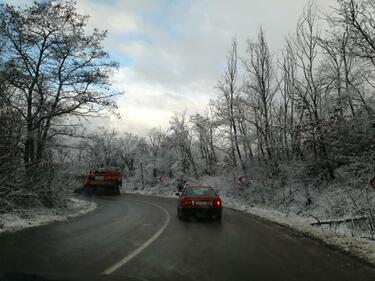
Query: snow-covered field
(339, 237)
(18, 220)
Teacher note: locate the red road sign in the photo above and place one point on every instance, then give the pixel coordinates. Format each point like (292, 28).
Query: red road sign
(241, 179)
(372, 183)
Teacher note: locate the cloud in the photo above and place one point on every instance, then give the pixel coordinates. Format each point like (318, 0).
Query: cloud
(146, 105)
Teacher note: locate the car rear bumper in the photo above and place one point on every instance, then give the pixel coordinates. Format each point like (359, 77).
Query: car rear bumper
(103, 185)
(112, 189)
(204, 211)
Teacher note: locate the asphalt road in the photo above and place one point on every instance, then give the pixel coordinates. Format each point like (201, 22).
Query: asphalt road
(141, 237)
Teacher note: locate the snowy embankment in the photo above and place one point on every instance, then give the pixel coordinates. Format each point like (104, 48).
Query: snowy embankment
(18, 220)
(341, 239)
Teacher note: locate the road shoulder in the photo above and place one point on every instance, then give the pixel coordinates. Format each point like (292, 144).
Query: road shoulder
(22, 219)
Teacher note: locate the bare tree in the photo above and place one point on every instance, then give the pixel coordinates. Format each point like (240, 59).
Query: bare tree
(357, 18)
(156, 139)
(312, 96)
(260, 89)
(342, 68)
(203, 128)
(228, 99)
(57, 70)
(182, 141)
(287, 89)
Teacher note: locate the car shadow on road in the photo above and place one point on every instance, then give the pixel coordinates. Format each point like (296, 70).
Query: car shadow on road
(200, 220)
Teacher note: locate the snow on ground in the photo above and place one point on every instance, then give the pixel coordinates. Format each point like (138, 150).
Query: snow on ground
(336, 238)
(40, 216)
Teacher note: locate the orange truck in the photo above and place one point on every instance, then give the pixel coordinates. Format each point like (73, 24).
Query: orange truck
(103, 181)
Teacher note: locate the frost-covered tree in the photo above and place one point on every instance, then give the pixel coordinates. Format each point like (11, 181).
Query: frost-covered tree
(57, 70)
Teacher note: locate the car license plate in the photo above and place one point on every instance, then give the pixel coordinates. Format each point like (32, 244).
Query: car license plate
(100, 178)
(202, 203)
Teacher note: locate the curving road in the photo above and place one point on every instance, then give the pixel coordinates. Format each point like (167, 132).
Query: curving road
(133, 237)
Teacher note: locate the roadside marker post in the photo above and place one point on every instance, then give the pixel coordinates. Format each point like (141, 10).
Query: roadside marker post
(372, 183)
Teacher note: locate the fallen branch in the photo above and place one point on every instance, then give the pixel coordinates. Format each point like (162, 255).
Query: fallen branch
(338, 221)
(315, 223)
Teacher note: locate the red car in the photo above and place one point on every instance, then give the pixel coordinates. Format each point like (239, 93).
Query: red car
(199, 200)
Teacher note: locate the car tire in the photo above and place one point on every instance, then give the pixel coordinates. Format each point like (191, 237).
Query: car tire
(116, 190)
(78, 190)
(88, 190)
(218, 218)
(180, 215)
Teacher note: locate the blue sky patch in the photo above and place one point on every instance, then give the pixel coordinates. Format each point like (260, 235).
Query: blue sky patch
(122, 58)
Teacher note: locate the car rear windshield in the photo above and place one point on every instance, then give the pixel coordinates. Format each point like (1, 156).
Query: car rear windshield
(199, 191)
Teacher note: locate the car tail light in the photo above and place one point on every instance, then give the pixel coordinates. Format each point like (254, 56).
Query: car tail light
(186, 202)
(217, 203)
(111, 177)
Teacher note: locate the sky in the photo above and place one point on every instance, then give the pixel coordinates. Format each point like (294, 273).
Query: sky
(173, 52)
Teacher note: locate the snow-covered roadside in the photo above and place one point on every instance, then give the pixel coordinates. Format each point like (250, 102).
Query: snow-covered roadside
(11, 222)
(152, 192)
(356, 247)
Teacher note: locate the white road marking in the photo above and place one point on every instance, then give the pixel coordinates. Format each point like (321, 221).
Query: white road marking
(133, 254)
